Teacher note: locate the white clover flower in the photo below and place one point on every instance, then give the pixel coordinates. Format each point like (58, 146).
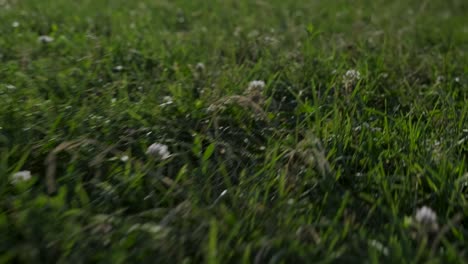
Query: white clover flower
(352, 75)
(350, 79)
(124, 158)
(15, 24)
(10, 87)
(45, 39)
(158, 150)
(118, 68)
(427, 218)
(425, 215)
(200, 67)
(255, 90)
(256, 85)
(20, 176)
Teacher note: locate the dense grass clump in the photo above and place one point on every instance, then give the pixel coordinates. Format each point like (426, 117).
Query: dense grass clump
(189, 131)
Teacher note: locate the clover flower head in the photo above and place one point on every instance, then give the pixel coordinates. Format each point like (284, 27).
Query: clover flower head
(352, 76)
(45, 39)
(350, 79)
(427, 218)
(159, 151)
(256, 85)
(200, 67)
(20, 176)
(425, 215)
(254, 91)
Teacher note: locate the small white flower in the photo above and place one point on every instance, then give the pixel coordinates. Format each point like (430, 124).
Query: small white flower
(158, 150)
(457, 79)
(118, 68)
(124, 158)
(256, 85)
(352, 76)
(427, 218)
(350, 79)
(15, 24)
(255, 91)
(200, 67)
(10, 87)
(45, 39)
(20, 176)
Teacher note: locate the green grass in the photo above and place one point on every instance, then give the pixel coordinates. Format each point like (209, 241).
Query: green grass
(314, 168)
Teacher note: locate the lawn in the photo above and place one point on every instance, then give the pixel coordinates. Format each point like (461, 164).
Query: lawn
(233, 131)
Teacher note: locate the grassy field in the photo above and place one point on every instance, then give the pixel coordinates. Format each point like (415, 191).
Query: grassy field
(227, 131)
